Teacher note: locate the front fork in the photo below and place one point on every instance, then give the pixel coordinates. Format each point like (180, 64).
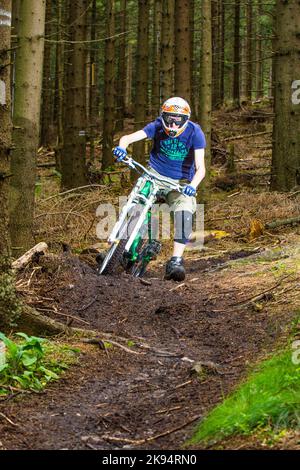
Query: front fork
(142, 196)
(125, 210)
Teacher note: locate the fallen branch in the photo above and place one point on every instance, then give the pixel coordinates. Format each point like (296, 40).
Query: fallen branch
(177, 287)
(100, 340)
(46, 165)
(66, 315)
(62, 213)
(281, 222)
(225, 217)
(153, 438)
(261, 294)
(74, 189)
(294, 194)
(85, 307)
(245, 136)
(8, 420)
(21, 262)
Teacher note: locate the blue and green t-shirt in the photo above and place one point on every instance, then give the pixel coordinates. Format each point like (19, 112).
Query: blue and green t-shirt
(174, 157)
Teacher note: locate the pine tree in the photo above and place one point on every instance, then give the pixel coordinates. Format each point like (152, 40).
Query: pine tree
(109, 86)
(206, 85)
(74, 126)
(167, 50)
(5, 129)
(26, 120)
(182, 50)
(141, 100)
(122, 73)
(286, 135)
(249, 42)
(47, 92)
(156, 53)
(236, 54)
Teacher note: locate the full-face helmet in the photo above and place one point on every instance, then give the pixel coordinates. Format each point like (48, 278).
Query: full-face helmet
(175, 114)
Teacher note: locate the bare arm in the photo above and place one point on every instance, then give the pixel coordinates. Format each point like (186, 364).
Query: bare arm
(131, 138)
(200, 168)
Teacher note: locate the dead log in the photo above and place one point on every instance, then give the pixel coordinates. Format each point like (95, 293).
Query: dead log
(246, 136)
(280, 222)
(21, 262)
(33, 323)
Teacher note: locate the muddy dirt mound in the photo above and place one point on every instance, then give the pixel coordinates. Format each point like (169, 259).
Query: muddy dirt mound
(142, 391)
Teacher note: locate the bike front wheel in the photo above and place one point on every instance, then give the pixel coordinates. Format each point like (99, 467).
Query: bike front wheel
(115, 256)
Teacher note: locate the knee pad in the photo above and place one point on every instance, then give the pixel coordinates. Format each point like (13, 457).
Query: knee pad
(183, 226)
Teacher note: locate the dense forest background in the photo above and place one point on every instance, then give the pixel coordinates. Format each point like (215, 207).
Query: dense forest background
(80, 72)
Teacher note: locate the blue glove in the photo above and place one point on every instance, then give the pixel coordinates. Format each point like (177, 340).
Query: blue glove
(189, 190)
(120, 153)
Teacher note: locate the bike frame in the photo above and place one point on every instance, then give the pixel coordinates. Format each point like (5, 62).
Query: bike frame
(143, 196)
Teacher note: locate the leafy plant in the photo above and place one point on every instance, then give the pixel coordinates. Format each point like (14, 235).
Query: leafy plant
(27, 364)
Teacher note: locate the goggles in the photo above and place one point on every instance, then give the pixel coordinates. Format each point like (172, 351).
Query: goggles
(178, 119)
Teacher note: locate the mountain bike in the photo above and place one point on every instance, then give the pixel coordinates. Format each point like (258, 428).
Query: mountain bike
(132, 245)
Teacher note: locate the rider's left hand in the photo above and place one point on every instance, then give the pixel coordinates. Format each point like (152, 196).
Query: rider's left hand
(189, 190)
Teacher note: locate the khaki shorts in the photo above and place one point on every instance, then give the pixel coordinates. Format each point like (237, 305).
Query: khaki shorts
(177, 201)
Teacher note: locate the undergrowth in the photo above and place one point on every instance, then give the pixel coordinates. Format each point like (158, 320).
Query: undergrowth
(32, 362)
(269, 399)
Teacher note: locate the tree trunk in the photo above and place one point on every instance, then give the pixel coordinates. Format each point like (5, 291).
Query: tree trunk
(215, 53)
(236, 55)
(47, 92)
(193, 64)
(249, 42)
(60, 86)
(128, 84)
(122, 75)
(206, 89)
(9, 306)
(156, 52)
(167, 50)
(26, 119)
(243, 69)
(109, 87)
(222, 51)
(5, 129)
(141, 100)
(259, 62)
(286, 135)
(74, 139)
(182, 50)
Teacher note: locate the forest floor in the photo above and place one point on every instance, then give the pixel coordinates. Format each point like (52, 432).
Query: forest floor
(167, 352)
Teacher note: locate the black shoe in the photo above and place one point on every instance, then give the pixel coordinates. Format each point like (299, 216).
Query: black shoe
(175, 269)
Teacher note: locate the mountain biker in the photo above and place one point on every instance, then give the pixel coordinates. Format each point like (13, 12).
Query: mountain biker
(177, 154)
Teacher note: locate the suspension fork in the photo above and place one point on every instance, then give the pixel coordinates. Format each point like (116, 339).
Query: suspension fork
(148, 204)
(125, 210)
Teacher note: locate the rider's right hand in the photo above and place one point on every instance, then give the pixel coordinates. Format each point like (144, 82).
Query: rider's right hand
(120, 153)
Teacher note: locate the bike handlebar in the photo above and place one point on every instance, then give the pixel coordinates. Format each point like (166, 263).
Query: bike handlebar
(133, 164)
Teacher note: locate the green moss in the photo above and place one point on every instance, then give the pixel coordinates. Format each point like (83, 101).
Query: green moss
(270, 398)
(10, 305)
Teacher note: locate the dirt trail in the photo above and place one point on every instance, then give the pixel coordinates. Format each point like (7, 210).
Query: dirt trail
(122, 399)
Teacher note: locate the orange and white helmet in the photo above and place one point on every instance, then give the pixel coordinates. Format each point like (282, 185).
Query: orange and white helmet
(175, 111)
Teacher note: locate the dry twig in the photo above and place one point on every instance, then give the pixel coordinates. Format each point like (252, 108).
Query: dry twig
(153, 438)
